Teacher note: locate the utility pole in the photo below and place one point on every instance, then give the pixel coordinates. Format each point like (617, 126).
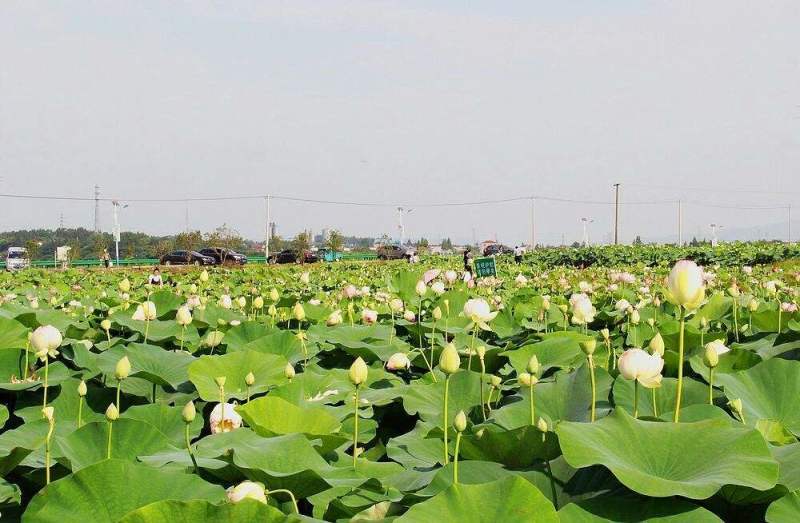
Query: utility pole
(585, 222)
(267, 230)
(186, 217)
(789, 224)
(680, 223)
(616, 213)
(96, 208)
(117, 231)
(61, 220)
(714, 234)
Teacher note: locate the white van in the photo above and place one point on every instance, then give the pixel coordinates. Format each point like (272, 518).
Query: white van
(17, 258)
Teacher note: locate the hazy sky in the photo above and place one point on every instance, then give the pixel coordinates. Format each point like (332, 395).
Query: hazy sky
(403, 102)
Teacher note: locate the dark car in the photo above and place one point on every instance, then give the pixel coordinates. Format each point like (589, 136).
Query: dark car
(186, 258)
(496, 248)
(224, 256)
(391, 252)
(293, 256)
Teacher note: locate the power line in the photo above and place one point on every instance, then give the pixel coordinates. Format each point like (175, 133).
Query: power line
(709, 189)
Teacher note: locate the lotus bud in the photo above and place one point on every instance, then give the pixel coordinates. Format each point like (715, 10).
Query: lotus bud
(48, 413)
(123, 368)
(656, 344)
(241, 301)
(437, 313)
(220, 381)
(112, 414)
(588, 346)
(247, 490)
(421, 288)
(753, 305)
(733, 290)
(358, 372)
(305, 278)
(635, 318)
(82, 390)
(214, 338)
(449, 361)
(298, 312)
(105, 325)
(273, 295)
(258, 302)
(605, 334)
(541, 425)
(249, 379)
(651, 322)
(533, 365)
(480, 351)
(409, 316)
(460, 423)
(124, 285)
(496, 381)
(704, 323)
(396, 305)
(272, 311)
(288, 371)
(184, 316)
(204, 276)
(193, 288)
(524, 379)
(189, 412)
(710, 356)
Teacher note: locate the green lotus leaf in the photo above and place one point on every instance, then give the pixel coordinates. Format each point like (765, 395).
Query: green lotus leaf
(10, 494)
(13, 334)
(516, 449)
(557, 351)
(129, 439)
(768, 391)
(166, 303)
(198, 511)
(630, 509)
(693, 460)
(694, 393)
(282, 343)
(168, 420)
(267, 369)
(784, 510)
(237, 337)
(427, 399)
(508, 499)
(103, 492)
(269, 416)
(567, 398)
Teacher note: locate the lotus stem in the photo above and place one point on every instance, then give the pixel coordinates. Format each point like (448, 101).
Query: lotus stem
(552, 483)
(46, 374)
(655, 407)
(711, 386)
(445, 420)
(50, 429)
(433, 338)
(391, 332)
(119, 384)
(355, 429)
(594, 386)
(146, 329)
(679, 390)
(189, 448)
(635, 399)
(532, 406)
(483, 377)
(183, 335)
(25, 372)
(80, 411)
(294, 500)
(735, 319)
(154, 393)
(108, 445)
(455, 459)
(472, 346)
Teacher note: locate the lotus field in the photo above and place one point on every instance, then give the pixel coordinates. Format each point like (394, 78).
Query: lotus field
(383, 391)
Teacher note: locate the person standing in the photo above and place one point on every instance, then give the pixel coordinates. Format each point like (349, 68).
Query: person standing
(518, 252)
(468, 260)
(106, 258)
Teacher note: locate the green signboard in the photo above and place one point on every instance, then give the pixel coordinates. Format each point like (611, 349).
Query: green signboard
(485, 267)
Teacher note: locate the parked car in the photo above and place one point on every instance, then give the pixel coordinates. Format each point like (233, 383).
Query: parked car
(17, 258)
(186, 258)
(391, 252)
(224, 256)
(496, 248)
(293, 256)
(329, 255)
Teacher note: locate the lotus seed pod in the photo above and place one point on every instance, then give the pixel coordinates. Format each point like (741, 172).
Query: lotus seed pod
(524, 379)
(189, 412)
(449, 361)
(588, 346)
(82, 391)
(358, 372)
(288, 371)
(460, 423)
(105, 325)
(123, 368)
(250, 379)
(112, 414)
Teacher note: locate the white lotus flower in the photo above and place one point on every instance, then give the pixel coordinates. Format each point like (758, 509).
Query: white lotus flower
(478, 312)
(369, 316)
(231, 421)
(45, 340)
(636, 364)
(438, 288)
(225, 301)
(247, 490)
(398, 361)
(582, 309)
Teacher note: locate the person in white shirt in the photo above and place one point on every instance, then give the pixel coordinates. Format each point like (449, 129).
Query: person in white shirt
(518, 252)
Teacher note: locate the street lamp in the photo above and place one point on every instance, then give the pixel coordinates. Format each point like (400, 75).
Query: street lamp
(401, 227)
